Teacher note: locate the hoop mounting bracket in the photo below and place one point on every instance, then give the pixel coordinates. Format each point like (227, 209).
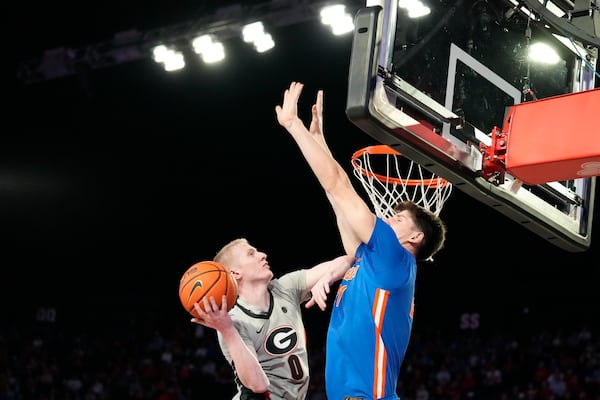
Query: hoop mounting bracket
(494, 157)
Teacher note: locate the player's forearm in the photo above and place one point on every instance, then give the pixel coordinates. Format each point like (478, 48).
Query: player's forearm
(246, 364)
(328, 271)
(349, 239)
(324, 166)
(339, 266)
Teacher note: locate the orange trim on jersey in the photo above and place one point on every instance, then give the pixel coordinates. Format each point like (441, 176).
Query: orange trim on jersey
(378, 312)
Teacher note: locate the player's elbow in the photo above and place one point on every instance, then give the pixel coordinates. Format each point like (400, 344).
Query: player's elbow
(257, 383)
(260, 386)
(337, 184)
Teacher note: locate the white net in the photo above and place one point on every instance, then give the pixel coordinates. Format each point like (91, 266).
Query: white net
(397, 179)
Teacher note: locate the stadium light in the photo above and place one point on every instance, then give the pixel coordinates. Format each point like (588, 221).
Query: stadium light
(211, 50)
(255, 33)
(337, 18)
(171, 59)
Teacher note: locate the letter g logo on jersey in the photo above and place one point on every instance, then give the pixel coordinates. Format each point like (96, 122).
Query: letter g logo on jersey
(281, 340)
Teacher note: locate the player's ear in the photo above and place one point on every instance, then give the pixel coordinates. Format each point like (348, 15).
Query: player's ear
(416, 237)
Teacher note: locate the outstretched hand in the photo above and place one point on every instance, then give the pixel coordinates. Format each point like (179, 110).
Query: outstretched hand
(287, 113)
(319, 294)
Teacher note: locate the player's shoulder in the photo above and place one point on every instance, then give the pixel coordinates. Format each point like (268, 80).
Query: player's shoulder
(291, 279)
(290, 285)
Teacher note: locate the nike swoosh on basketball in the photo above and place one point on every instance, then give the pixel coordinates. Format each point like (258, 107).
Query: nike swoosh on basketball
(196, 285)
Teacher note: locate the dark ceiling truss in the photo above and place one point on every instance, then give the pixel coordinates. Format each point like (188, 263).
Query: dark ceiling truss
(133, 45)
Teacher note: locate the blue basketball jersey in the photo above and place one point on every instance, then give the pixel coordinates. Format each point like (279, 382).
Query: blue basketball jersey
(371, 320)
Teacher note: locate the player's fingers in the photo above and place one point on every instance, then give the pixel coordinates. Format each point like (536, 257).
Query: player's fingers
(224, 303)
(320, 100)
(317, 299)
(207, 304)
(213, 303)
(297, 89)
(310, 303)
(322, 306)
(198, 309)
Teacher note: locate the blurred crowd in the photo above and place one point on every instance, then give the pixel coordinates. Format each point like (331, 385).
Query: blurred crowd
(152, 359)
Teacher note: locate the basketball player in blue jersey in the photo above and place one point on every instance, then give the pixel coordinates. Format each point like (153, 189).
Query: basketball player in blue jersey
(372, 315)
(263, 336)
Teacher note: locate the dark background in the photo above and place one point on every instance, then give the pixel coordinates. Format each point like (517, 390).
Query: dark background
(114, 181)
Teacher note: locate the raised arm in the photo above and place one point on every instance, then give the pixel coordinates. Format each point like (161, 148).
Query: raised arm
(355, 219)
(349, 239)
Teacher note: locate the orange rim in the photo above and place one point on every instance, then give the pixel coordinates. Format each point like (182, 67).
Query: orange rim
(383, 149)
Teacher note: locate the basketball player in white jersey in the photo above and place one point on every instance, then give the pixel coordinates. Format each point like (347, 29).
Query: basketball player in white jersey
(263, 336)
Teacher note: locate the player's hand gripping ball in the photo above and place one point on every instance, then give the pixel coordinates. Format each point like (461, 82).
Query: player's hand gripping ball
(203, 280)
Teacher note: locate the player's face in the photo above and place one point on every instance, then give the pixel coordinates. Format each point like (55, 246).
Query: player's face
(252, 263)
(403, 225)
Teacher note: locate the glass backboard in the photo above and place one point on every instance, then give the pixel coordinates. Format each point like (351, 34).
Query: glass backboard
(435, 87)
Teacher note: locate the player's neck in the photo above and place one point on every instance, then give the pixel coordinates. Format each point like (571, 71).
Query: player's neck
(257, 297)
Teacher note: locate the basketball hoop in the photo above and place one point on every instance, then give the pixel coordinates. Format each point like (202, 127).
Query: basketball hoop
(399, 179)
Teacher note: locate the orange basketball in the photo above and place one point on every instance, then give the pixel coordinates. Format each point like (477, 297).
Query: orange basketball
(206, 279)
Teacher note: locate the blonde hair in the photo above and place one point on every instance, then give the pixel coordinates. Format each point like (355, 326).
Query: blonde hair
(224, 255)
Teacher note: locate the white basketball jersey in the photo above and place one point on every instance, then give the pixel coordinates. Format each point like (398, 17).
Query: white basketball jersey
(278, 337)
